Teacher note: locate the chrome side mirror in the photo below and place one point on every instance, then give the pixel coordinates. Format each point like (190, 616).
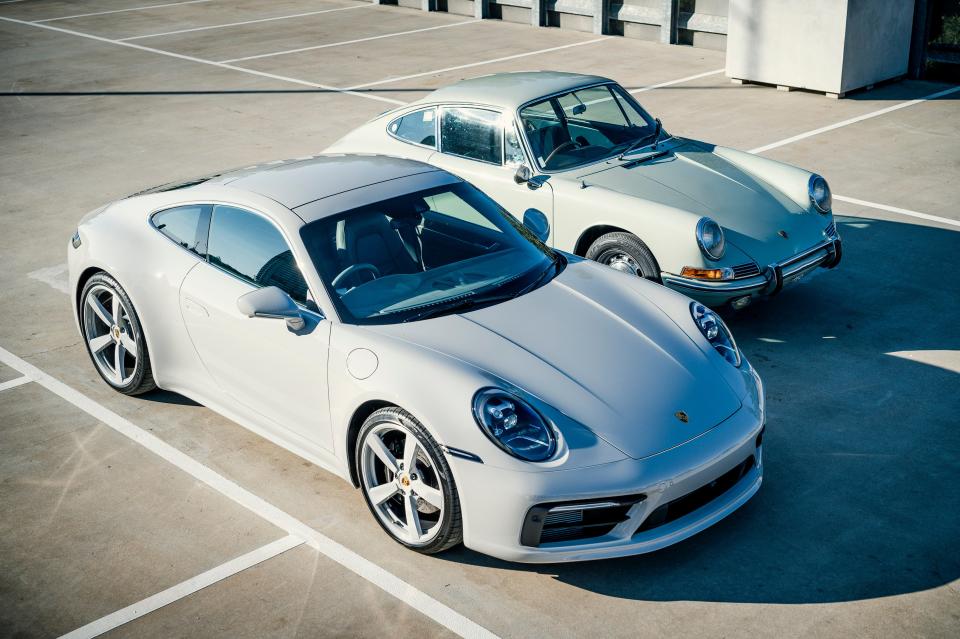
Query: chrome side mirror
(272, 303)
(537, 223)
(523, 174)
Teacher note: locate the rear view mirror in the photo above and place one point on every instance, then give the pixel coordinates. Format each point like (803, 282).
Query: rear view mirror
(272, 303)
(537, 223)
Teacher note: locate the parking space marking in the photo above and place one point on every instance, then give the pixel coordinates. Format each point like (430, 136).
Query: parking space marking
(13, 383)
(103, 13)
(180, 56)
(383, 579)
(185, 589)
(859, 118)
(238, 24)
(54, 276)
(340, 44)
(677, 81)
(894, 209)
(474, 64)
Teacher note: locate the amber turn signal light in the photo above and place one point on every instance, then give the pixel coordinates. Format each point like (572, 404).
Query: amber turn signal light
(707, 273)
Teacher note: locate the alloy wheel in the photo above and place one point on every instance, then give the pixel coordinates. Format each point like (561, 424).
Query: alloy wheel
(110, 334)
(401, 481)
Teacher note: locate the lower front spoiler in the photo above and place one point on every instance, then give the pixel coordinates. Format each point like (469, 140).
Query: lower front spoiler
(495, 525)
(773, 279)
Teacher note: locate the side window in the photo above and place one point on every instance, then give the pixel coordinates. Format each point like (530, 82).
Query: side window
(472, 133)
(418, 127)
(513, 152)
(250, 247)
(183, 224)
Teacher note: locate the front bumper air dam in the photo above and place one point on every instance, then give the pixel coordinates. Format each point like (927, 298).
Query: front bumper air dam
(496, 502)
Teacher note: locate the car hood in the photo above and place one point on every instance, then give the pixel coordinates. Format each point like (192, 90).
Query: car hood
(590, 347)
(694, 178)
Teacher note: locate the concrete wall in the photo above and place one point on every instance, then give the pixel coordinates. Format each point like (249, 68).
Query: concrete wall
(826, 45)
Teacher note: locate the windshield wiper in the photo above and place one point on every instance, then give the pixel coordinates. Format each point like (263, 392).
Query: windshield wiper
(641, 141)
(464, 304)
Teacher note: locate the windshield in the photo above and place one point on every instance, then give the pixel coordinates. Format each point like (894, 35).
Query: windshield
(584, 126)
(425, 254)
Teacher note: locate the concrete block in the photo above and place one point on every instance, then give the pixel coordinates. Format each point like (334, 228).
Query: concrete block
(462, 7)
(832, 46)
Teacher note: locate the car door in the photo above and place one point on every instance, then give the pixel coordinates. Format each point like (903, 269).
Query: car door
(481, 146)
(259, 363)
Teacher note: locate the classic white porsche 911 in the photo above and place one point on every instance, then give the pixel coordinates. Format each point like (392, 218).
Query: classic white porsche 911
(389, 322)
(718, 224)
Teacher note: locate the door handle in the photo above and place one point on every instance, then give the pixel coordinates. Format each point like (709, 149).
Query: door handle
(195, 307)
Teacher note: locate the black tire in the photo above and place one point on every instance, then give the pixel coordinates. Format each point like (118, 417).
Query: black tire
(449, 531)
(139, 380)
(612, 248)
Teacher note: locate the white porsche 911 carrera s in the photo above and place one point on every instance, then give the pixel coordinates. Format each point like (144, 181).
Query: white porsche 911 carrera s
(389, 322)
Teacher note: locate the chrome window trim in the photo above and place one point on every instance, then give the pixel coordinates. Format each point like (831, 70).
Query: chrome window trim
(436, 128)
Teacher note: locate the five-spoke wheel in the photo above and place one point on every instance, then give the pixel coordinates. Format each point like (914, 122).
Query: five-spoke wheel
(113, 336)
(407, 483)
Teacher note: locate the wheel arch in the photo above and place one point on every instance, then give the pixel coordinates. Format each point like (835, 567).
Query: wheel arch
(592, 234)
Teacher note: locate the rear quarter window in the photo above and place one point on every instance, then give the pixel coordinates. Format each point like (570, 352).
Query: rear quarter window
(185, 225)
(418, 127)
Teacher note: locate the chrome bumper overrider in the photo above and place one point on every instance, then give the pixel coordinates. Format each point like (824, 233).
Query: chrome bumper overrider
(774, 277)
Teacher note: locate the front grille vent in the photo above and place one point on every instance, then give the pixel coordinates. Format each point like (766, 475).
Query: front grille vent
(576, 520)
(681, 506)
(831, 229)
(746, 270)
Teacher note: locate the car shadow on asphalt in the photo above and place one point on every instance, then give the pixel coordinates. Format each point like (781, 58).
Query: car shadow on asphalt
(862, 451)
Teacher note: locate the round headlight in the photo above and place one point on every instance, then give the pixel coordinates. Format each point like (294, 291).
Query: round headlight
(820, 193)
(716, 332)
(514, 425)
(710, 238)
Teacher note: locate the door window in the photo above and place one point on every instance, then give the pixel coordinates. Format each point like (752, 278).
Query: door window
(251, 248)
(418, 127)
(472, 133)
(184, 225)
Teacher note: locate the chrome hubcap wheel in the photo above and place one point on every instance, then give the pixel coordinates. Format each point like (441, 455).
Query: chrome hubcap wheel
(110, 335)
(401, 481)
(623, 263)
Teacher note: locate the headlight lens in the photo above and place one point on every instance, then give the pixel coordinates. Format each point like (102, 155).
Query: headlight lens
(710, 238)
(820, 193)
(716, 332)
(514, 425)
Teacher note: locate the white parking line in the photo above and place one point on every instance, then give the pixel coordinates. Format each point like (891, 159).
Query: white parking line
(340, 44)
(13, 383)
(894, 209)
(859, 118)
(387, 581)
(678, 81)
(179, 56)
(474, 64)
(103, 13)
(184, 589)
(238, 24)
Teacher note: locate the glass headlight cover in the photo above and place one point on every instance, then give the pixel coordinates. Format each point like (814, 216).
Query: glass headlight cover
(716, 332)
(820, 193)
(710, 238)
(514, 425)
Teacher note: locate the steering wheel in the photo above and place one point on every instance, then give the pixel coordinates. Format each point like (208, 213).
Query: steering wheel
(355, 268)
(559, 148)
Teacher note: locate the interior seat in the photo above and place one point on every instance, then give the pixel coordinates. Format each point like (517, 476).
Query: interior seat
(371, 238)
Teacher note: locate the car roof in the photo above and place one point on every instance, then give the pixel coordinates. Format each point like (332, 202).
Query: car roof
(294, 183)
(511, 90)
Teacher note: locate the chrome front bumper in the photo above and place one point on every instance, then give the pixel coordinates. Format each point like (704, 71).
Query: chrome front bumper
(771, 281)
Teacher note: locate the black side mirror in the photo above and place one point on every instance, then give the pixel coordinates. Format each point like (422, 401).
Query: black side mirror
(537, 223)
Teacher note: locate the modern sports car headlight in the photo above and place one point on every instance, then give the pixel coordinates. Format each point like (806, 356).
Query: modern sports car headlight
(514, 425)
(820, 193)
(710, 238)
(716, 332)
